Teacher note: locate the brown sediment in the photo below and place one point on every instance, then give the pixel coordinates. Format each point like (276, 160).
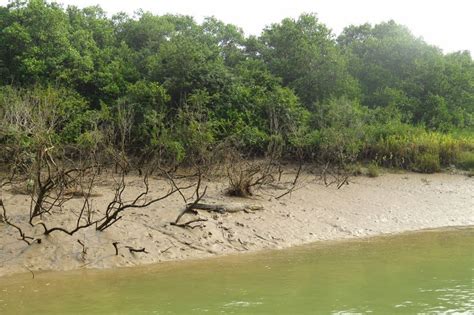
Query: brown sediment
(392, 203)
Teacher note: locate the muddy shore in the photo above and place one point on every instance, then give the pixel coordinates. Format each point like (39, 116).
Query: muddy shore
(391, 203)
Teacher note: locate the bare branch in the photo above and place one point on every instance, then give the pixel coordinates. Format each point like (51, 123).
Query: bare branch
(188, 224)
(198, 196)
(27, 239)
(117, 205)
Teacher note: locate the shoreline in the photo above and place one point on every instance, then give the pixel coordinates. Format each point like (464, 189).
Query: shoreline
(367, 207)
(170, 263)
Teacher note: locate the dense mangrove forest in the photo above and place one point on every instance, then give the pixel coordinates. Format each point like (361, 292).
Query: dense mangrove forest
(166, 86)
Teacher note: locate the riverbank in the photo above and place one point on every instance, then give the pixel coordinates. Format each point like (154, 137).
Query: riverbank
(391, 203)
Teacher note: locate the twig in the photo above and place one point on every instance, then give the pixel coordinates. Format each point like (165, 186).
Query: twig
(298, 173)
(117, 205)
(116, 248)
(27, 239)
(198, 194)
(286, 193)
(32, 273)
(164, 251)
(188, 224)
(344, 181)
(84, 250)
(242, 243)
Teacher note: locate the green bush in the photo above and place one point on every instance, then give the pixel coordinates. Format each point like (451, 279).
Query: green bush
(354, 169)
(427, 162)
(373, 170)
(466, 161)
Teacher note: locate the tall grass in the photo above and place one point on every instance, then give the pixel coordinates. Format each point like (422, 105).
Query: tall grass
(423, 151)
(395, 145)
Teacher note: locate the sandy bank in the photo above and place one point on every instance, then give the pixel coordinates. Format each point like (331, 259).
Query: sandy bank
(391, 203)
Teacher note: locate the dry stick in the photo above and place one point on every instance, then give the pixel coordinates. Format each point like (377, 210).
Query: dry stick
(289, 191)
(84, 250)
(344, 181)
(280, 172)
(45, 188)
(117, 206)
(23, 236)
(9, 180)
(116, 248)
(174, 184)
(265, 239)
(199, 196)
(295, 181)
(242, 243)
(323, 173)
(41, 204)
(298, 173)
(32, 273)
(188, 224)
(164, 251)
(85, 205)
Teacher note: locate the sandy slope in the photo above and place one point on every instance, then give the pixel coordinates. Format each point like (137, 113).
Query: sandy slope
(391, 203)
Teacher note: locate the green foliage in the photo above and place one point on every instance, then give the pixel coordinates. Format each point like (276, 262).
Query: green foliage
(427, 162)
(169, 88)
(28, 115)
(466, 160)
(394, 68)
(354, 169)
(416, 149)
(303, 53)
(193, 129)
(373, 170)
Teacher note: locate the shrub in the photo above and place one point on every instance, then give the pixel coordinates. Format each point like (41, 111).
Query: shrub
(427, 162)
(373, 170)
(245, 176)
(466, 161)
(354, 169)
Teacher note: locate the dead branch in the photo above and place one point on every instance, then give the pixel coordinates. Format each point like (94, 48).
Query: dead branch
(333, 176)
(31, 271)
(289, 191)
(165, 250)
(23, 237)
(115, 244)
(84, 218)
(297, 176)
(84, 250)
(117, 206)
(295, 181)
(51, 188)
(188, 224)
(344, 181)
(197, 194)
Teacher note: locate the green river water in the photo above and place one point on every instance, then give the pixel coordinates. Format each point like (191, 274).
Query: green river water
(425, 272)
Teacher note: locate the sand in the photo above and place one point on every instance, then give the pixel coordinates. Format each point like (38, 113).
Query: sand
(391, 203)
